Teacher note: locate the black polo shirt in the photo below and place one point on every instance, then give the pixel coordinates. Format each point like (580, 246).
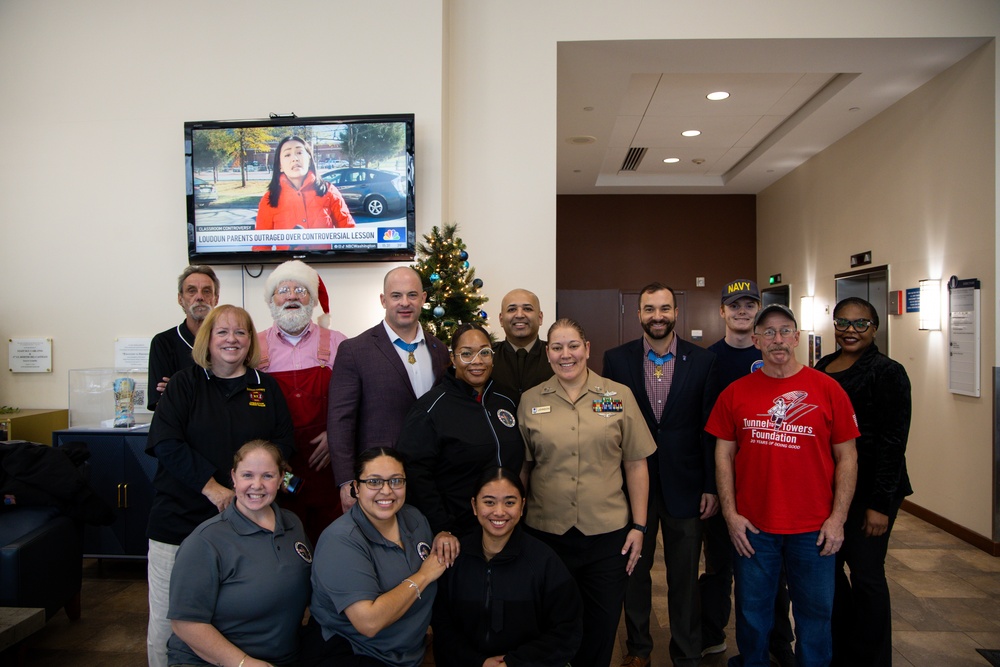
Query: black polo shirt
(169, 352)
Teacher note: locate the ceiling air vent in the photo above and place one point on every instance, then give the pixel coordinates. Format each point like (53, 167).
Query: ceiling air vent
(633, 158)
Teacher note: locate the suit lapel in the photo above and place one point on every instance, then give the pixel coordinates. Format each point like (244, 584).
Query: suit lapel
(386, 347)
(635, 360)
(682, 368)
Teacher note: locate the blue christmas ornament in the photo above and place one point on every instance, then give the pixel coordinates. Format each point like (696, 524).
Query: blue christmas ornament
(477, 283)
(482, 314)
(438, 311)
(463, 255)
(465, 265)
(435, 277)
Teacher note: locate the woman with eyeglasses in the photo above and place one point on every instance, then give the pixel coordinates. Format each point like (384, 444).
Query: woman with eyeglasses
(458, 429)
(880, 392)
(374, 576)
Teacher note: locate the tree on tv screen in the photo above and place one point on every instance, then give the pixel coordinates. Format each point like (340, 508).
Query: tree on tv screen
(373, 142)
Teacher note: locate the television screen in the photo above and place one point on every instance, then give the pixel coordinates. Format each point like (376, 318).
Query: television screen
(323, 189)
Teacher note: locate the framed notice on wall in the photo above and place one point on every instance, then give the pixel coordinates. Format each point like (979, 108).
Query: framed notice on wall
(964, 314)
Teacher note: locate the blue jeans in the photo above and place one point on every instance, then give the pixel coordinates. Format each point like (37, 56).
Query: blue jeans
(810, 587)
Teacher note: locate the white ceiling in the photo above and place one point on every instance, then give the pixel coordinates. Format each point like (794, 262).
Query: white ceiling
(789, 99)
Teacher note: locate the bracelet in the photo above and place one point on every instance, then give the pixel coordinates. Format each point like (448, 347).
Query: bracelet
(412, 585)
(243, 660)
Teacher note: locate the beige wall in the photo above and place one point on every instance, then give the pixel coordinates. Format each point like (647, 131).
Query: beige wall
(95, 96)
(913, 186)
(96, 91)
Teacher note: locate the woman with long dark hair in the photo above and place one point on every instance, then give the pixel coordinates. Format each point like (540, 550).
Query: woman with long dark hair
(297, 198)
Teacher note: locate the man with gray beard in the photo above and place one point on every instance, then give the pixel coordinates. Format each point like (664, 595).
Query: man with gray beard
(299, 354)
(170, 350)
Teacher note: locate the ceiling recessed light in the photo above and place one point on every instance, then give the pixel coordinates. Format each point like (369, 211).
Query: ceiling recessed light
(671, 160)
(691, 133)
(581, 139)
(588, 108)
(855, 109)
(577, 171)
(720, 95)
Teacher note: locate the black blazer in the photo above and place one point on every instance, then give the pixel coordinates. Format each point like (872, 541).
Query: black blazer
(685, 456)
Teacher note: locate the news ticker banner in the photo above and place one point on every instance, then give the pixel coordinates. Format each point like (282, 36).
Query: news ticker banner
(340, 239)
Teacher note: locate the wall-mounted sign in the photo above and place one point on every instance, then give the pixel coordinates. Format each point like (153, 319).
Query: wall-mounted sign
(29, 355)
(861, 259)
(963, 336)
(913, 300)
(132, 353)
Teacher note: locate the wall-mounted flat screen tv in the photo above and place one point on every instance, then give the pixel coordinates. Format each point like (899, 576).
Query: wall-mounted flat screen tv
(322, 189)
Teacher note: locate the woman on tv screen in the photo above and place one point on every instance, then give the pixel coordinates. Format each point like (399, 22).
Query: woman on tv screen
(297, 198)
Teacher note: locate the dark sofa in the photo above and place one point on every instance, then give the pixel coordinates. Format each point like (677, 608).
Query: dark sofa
(41, 560)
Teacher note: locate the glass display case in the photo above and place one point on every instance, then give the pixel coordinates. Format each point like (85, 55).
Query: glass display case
(92, 400)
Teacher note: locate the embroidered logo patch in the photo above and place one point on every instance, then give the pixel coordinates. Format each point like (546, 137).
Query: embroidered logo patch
(257, 397)
(506, 418)
(303, 551)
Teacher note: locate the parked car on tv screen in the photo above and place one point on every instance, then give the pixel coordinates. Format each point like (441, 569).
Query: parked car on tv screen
(204, 193)
(372, 192)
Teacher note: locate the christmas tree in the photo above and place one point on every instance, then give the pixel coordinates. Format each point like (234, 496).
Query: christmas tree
(453, 291)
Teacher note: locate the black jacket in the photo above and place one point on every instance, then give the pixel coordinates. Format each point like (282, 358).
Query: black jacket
(879, 390)
(449, 439)
(522, 604)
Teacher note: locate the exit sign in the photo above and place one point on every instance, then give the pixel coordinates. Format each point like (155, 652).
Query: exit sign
(861, 259)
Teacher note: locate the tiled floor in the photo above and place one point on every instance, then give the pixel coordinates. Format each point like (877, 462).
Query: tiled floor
(945, 597)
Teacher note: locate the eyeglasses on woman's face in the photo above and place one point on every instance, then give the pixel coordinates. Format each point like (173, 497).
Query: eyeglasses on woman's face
(377, 483)
(859, 325)
(467, 356)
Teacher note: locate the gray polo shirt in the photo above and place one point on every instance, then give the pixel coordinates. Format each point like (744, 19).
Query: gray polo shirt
(250, 583)
(354, 562)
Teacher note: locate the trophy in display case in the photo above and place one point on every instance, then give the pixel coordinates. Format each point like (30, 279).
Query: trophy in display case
(124, 402)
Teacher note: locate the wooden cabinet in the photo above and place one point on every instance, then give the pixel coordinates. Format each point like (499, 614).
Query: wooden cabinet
(33, 425)
(121, 473)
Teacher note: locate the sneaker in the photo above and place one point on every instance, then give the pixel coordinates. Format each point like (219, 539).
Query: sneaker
(712, 650)
(635, 661)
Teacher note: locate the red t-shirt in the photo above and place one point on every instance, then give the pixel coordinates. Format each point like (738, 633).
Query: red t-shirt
(784, 429)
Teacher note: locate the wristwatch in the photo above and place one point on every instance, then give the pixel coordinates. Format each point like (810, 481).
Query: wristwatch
(638, 526)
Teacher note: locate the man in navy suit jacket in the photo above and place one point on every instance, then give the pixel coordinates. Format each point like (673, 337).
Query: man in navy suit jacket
(675, 384)
(378, 375)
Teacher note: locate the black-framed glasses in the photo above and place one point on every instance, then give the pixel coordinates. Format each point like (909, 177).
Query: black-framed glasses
(376, 483)
(859, 325)
(468, 355)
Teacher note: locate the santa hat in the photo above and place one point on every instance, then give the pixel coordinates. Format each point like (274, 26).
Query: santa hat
(303, 274)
